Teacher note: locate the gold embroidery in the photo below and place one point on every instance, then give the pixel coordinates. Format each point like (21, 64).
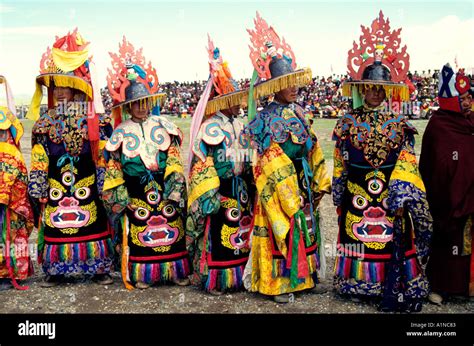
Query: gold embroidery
(357, 190)
(54, 184)
(85, 182)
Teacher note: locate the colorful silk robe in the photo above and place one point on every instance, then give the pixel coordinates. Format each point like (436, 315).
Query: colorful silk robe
(290, 176)
(65, 186)
(145, 190)
(220, 204)
(375, 174)
(16, 215)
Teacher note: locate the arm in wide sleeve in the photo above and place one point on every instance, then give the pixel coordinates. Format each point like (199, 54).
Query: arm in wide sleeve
(406, 190)
(38, 185)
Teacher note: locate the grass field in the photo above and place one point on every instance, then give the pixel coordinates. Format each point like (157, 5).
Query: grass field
(323, 128)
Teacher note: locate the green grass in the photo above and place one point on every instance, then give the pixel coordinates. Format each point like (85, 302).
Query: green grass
(322, 127)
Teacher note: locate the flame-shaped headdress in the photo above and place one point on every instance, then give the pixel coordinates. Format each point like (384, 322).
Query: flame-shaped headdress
(378, 59)
(131, 78)
(273, 60)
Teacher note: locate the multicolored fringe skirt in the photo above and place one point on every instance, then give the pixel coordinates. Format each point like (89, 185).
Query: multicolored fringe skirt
(224, 280)
(151, 273)
(93, 257)
(357, 277)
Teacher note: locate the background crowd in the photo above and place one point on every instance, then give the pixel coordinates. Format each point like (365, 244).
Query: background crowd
(323, 97)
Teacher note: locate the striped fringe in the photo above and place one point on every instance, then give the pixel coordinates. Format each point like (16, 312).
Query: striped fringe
(151, 273)
(67, 81)
(151, 100)
(279, 266)
(226, 101)
(298, 78)
(229, 279)
(373, 272)
(78, 252)
(398, 92)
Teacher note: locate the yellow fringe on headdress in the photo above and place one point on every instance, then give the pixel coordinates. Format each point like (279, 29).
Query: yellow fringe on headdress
(226, 101)
(298, 78)
(65, 81)
(399, 92)
(152, 100)
(59, 80)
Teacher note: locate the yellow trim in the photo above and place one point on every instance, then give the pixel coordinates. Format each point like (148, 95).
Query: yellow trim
(172, 169)
(378, 175)
(154, 99)
(85, 182)
(320, 174)
(276, 163)
(39, 159)
(66, 81)
(10, 149)
(400, 91)
(59, 80)
(226, 101)
(298, 78)
(112, 183)
(202, 188)
(409, 177)
(54, 184)
(33, 110)
(357, 190)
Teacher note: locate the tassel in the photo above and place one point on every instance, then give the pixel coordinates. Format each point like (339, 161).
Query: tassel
(204, 247)
(251, 104)
(399, 92)
(8, 256)
(151, 273)
(293, 256)
(298, 78)
(66, 81)
(125, 254)
(228, 279)
(41, 234)
(225, 101)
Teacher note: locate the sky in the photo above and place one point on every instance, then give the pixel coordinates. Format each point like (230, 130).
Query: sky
(174, 34)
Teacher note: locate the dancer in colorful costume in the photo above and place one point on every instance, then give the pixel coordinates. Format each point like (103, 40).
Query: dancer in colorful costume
(67, 166)
(16, 215)
(384, 221)
(289, 172)
(220, 188)
(447, 167)
(145, 187)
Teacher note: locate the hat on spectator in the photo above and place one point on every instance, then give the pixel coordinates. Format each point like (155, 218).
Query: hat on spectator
(451, 87)
(132, 79)
(378, 60)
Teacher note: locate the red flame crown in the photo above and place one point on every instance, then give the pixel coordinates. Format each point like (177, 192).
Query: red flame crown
(379, 42)
(117, 80)
(260, 37)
